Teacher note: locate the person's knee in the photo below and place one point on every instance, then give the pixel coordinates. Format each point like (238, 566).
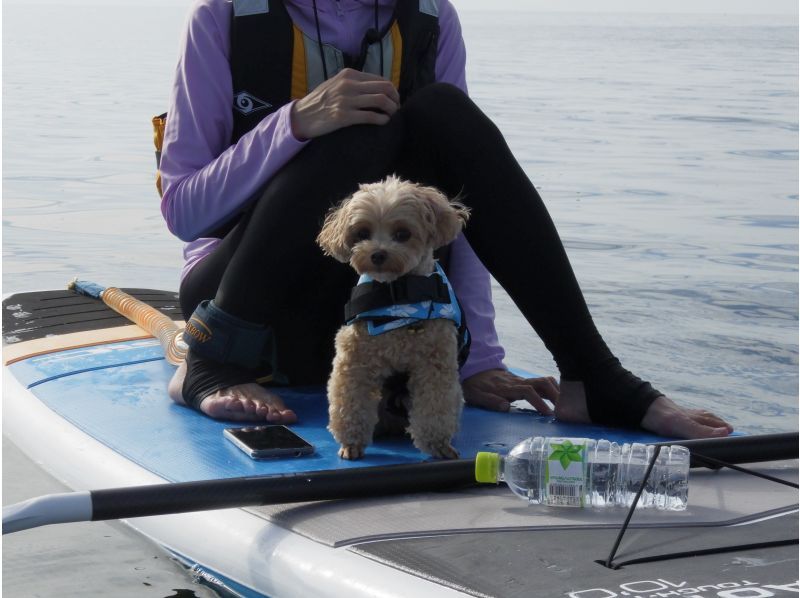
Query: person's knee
(439, 98)
(440, 92)
(332, 165)
(443, 110)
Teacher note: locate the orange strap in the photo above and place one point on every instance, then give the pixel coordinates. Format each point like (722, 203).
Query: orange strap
(159, 124)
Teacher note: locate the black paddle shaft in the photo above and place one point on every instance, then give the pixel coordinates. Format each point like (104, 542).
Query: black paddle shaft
(164, 499)
(742, 449)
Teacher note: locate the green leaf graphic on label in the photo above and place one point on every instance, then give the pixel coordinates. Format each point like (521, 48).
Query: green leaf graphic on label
(566, 453)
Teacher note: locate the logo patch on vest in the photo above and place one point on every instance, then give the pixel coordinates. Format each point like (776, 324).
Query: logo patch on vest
(246, 103)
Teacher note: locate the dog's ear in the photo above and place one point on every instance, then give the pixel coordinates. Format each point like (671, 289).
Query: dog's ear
(446, 218)
(333, 236)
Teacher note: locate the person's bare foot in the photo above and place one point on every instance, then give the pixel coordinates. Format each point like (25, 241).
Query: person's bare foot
(243, 402)
(664, 417)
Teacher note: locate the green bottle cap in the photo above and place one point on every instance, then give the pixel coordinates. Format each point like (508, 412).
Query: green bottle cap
(486, 467)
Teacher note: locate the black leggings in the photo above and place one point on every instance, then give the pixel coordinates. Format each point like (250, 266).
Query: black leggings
(269, 270)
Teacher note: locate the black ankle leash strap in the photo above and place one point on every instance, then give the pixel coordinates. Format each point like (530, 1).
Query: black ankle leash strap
(715, 463)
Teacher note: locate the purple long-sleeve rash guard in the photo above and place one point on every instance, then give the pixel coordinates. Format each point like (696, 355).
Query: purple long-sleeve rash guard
(205, 179)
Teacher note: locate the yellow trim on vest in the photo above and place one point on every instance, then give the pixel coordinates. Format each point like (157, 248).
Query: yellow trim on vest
(159, 124)
(299, 81)
(397, 53)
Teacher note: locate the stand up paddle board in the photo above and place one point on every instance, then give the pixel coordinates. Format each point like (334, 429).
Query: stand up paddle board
(85, 396)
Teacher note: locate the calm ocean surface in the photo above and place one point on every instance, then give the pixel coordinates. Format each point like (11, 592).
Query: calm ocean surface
(664, 146)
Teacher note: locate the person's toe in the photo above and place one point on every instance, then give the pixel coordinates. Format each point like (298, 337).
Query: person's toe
(288, 416)
(273, 414)
(687, 427)
(711, 420)
(246, 403)
(250, 406)
(239, 404)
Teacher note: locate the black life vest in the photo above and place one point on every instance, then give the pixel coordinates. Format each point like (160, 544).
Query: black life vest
(273, 62)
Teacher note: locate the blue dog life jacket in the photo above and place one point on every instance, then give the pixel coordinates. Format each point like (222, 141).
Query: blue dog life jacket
(410, 299)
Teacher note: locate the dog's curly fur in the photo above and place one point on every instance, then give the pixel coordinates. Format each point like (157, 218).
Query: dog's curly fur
(403, 223)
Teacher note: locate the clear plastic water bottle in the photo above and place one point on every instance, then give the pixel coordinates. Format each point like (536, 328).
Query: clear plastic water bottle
(582, 472)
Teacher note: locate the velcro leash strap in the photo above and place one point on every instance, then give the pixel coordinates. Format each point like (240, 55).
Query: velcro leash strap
(217, 335)
(405, 290)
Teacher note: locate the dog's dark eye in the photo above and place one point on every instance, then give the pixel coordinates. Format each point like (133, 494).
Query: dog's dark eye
(401, 235)
(362, 234)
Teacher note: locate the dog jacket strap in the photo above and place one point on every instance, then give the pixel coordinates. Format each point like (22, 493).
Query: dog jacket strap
(370, 295)
(408, 300)
(464, 338)
(215, 334)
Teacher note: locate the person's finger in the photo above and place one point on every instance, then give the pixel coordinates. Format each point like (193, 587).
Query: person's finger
(360, 77)
(527, 393)
(382, 87)
(487, 400)
(363, 117)
(545, 386)
(351, 87)
(355, 74)
(356, 82)
(374, 101)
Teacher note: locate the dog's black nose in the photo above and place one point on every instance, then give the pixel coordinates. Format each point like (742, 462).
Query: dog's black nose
(378, 257)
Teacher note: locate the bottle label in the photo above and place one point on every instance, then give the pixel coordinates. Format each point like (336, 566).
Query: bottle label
(565, 472)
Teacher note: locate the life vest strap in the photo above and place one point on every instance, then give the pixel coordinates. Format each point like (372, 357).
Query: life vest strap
(407, 289)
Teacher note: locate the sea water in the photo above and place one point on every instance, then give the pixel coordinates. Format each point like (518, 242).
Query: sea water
(665, 147)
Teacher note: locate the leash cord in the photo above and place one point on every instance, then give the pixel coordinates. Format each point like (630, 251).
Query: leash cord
(609, 562)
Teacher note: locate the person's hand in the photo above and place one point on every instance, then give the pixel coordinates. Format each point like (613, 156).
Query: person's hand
(495, 390)
(348, 98)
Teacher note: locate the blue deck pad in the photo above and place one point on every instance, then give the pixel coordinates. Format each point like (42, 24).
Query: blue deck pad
(117, 394)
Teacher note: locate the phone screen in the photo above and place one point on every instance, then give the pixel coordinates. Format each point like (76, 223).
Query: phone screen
(268, 441)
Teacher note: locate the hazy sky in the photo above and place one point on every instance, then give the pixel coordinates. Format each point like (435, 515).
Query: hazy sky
(651, 6)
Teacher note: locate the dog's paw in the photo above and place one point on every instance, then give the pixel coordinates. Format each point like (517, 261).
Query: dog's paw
(351, 452)
(444, 451)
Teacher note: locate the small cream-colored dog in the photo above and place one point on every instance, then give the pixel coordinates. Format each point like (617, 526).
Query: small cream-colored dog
(386, 230)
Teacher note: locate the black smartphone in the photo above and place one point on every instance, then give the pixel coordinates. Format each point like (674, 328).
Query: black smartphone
(262, 442)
